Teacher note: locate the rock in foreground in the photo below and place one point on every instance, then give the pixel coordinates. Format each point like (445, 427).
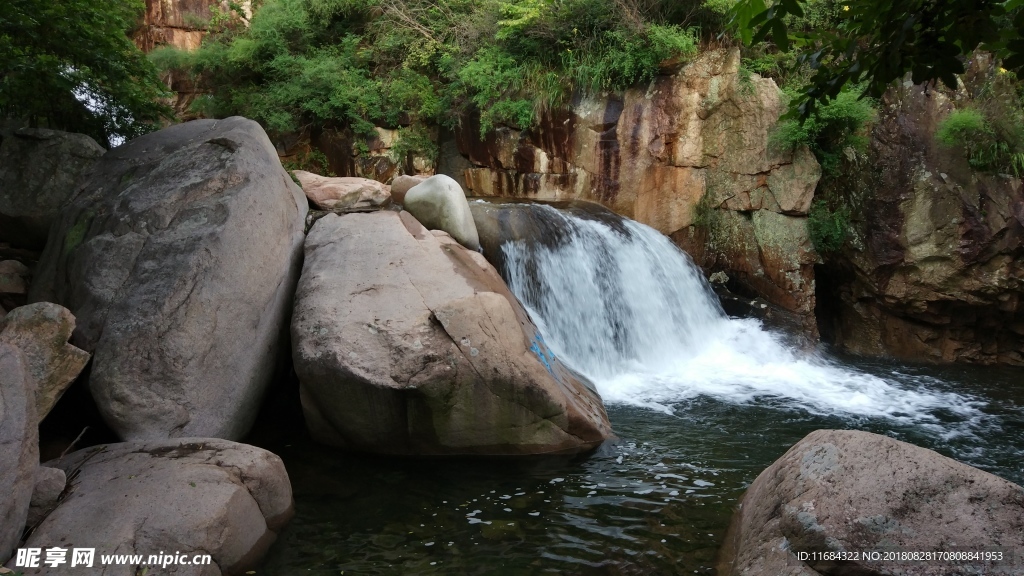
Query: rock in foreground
(19, 446)
(178, 259)
(406, 342)
(190, 495)
(41, 332)
(839, 490)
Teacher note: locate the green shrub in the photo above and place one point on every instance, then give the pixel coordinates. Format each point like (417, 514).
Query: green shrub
(369, 62)
(827, 228)
(987, 150)
(834, 127)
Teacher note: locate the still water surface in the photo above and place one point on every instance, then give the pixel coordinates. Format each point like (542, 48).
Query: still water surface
(658, 501)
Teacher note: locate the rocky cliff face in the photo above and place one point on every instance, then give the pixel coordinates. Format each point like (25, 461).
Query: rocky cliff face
(180, 24)
(688, 155)
(935, 270)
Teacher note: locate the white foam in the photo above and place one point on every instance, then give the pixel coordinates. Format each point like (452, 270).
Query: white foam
(633, 313)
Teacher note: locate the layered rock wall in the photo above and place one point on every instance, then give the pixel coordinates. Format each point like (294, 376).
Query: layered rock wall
(690, 155)
(934, 269)
(180, 24)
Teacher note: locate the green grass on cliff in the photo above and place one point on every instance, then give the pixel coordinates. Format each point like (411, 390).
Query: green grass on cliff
(360, 63)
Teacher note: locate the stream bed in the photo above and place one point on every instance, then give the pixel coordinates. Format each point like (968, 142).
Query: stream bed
(701, 402)
(657, 501)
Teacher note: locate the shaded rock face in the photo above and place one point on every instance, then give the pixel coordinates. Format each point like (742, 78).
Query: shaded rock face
(194, 495)
(342, 193)
(405, 342)
(178, 258)
(39, 170)
(351, 155)
(440, 204)
(19, 446)
(41, 331)
(935, 270)
(49, 483)
(840, 490)
(688, 155)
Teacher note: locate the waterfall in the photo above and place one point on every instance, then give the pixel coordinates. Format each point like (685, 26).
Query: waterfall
(623, 305)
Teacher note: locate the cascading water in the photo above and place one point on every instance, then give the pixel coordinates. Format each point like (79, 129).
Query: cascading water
(627, 308)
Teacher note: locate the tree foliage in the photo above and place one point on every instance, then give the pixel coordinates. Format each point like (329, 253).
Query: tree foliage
(411, 63)
(876, 42)
(70, 65)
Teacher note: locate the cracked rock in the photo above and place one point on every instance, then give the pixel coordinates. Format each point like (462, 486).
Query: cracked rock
(453, 364)
(178, 258)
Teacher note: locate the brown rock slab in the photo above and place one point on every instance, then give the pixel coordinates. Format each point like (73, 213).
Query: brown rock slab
(342, 193)
(842, 490)
(405, 342)
(402, 184)
(41, 331)
(193, 495)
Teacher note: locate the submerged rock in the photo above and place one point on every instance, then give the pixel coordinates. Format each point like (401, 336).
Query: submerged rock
(19, 446)
(178, 258)
(189, 495)
(405, 342)
(41, 331)
(440, 204)
(849, 491)
(39, 171)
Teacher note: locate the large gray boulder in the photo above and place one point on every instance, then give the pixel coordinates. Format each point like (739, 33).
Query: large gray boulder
(178, 258)
(439, 203)
(41, 332)
(855, 492)
(188, 495)
(19, 446)
(405, 342)
(39, 169)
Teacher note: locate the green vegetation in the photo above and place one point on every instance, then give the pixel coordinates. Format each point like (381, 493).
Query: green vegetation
(827, 227)
(70, 65)
(420, 63)
(876, 42)
(313, 161)
(991, 131)
(835, 127)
